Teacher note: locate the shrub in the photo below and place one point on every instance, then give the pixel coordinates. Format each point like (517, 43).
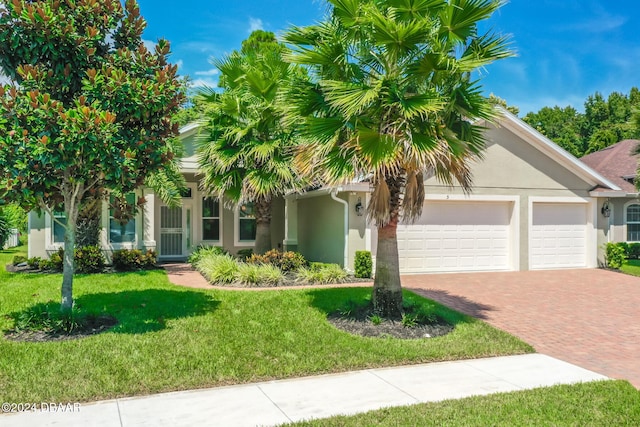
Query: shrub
(19, 259)
(54, 263)
(633, 250)
(204, 250)
(218, 268)
(363, 264)
(327, 273)
(34, 262)
(89, 259)
(134, 259)
(285, 261)
(259, 274)
(243, 254)
(615, 255)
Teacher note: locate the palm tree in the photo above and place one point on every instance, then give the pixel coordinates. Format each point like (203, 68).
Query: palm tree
(392, 99)
(246, 157)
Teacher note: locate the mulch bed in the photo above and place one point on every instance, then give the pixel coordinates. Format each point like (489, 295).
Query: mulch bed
(94, 325)
(360, 324)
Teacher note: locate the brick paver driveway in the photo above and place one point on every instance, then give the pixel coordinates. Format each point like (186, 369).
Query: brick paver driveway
(587, 317)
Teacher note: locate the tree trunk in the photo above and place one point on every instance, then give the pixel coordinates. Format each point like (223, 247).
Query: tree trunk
(89, 219)
(387, 289)
(71, 202)
(263, 226)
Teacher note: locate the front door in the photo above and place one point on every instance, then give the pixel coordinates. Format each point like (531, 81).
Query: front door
(171, 232)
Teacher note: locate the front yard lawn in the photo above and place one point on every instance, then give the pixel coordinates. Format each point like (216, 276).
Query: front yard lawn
(602, 403)
(174, 338)
(631, 266)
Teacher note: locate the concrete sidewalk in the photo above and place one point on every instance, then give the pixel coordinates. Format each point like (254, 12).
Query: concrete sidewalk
(276, 402)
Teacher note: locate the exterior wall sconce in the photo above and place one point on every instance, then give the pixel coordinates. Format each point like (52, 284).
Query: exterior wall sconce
(606, 210)
(359, 207)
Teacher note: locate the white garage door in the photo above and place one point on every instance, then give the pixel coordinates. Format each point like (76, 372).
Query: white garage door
(457, 236)
(558, 236)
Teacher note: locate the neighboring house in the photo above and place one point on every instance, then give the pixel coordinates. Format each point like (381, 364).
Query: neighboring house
(533, 206)
(619, 164)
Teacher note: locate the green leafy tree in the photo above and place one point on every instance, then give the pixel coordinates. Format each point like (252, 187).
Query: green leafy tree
(247, 154)
(562, 125)
(91, 114)
(496, 100)
(392, 100)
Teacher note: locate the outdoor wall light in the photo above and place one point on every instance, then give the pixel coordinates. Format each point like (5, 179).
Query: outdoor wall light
(606, 210)
(359, 207)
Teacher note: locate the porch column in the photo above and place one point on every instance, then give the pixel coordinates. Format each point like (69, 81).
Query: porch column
(290, 242)
(148, 221)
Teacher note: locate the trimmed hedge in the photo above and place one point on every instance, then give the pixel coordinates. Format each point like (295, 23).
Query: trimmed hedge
(363, 264)
(134, 259)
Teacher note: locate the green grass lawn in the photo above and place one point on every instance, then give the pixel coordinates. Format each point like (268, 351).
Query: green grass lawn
(173, 338)
(602, 403)
(631, 266)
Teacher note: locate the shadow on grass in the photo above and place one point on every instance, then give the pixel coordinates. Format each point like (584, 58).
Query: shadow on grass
(138, 312)
(331, 300)
(456, 302)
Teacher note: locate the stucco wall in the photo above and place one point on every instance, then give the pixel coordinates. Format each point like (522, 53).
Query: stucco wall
(512, 167)
(321, 229)
(37, 235)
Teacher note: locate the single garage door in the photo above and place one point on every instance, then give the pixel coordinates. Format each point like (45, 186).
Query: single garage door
(558, 236)
(457, 236)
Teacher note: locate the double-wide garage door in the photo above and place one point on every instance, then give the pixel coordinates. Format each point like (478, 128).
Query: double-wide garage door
(457, 236)
(558, 236)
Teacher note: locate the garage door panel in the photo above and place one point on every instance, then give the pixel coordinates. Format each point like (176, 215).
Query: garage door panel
(457, 236)
(558, 235)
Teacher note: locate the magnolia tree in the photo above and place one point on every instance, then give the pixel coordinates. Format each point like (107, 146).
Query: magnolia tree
(91, 109)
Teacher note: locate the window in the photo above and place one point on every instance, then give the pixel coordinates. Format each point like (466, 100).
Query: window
(58, 229)
(246, 223)
(122, 221)
(210, 219)
(633, 223)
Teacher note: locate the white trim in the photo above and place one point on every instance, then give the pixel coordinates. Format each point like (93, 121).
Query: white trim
(200, 234)
(49, 244)
(345, 206)
(514, 224)
(624, 222)
(236, 231)
(591, 251)
(106, 226)
(552, 149)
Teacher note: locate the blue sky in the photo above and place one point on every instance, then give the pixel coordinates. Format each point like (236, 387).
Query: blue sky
(567, 49)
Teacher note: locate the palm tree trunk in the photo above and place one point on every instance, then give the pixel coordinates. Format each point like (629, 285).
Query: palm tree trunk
(387, 289)
(263, 226)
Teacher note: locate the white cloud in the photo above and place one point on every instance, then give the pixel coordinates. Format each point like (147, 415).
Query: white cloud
(203, 83)
(211, 72)
(255, 24)
(150, 45)
(180, 63)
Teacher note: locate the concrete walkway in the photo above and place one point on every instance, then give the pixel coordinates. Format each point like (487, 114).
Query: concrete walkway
(276, 402)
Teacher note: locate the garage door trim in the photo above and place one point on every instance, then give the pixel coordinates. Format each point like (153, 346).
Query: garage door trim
(591, 232)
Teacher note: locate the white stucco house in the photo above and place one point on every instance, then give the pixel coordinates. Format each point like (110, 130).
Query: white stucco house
(533, 206)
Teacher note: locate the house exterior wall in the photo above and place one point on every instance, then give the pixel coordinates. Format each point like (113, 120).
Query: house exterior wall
(512, 167)
(321, 235)
(37, 232)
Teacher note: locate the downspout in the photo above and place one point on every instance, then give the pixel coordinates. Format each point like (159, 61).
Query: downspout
(333, 195)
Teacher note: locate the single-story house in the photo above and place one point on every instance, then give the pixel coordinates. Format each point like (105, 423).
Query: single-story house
(620, 208)
(533, 206)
